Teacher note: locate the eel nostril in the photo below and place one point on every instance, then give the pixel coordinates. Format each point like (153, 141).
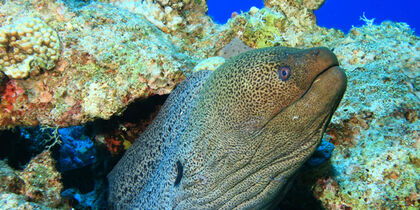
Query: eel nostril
(316, 53)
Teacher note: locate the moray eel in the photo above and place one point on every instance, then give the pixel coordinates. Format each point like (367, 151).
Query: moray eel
(232, 138)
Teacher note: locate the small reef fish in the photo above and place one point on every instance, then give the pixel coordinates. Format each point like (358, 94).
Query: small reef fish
(233, 137)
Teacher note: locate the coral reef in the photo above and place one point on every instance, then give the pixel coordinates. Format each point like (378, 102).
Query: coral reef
(14, 201)
(191, 29)
(235, 47)
(109, 58)
(286, 23)
(210, 63)
(9, 179)
(167, 15)
(81, 164)
(41, 181)
(376, 128)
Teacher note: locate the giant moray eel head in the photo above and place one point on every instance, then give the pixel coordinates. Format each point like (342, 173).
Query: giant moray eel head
(266, 111)
(253, 87)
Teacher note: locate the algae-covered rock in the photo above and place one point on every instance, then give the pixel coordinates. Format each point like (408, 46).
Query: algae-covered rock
(375, 128)
(167, 15)
(109, 58)
(211, 63)
(185, 20)
(42, 181)
(286, 23)
(37, 186)
(9, 179)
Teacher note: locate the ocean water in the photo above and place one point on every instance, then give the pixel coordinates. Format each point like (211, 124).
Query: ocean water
(335, 13)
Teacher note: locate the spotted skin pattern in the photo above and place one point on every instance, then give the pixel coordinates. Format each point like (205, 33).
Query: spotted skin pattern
(238, 134)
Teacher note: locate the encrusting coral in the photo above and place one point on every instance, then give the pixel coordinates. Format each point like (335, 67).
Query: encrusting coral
(285, 23)
(39, 182)
(27, 45)
(167, 15)
(376, 127)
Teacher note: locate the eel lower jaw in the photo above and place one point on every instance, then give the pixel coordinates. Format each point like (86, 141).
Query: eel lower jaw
(334, 65)
(317, 78)
(329, 86)
(333, 73)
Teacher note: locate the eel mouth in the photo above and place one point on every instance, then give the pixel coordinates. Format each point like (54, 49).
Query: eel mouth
(327, 87)
(333, 78)
(321, 98)
(332, 68)
(331, 73)
(330, 62)
(325, 92)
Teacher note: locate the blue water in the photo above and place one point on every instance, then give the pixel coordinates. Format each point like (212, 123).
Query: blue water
(334, 13)
(221, 11)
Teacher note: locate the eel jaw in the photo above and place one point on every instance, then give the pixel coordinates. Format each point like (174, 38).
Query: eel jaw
(333, 78)
(319, 101)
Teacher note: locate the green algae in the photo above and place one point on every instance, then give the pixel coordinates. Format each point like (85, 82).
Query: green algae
(92, 71)
(264, 29)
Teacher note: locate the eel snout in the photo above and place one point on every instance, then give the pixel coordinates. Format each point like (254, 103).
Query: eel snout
(325, 57)
(313, 62)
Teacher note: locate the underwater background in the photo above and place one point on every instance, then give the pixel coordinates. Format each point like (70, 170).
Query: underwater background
(334, 13)
(82, 80)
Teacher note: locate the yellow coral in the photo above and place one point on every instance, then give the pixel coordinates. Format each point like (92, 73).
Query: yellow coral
(26, 45)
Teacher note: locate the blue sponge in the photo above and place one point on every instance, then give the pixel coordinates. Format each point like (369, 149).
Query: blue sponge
(321, 155)
(77, 149)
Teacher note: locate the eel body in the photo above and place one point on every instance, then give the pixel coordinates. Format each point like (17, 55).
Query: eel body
(233, 137)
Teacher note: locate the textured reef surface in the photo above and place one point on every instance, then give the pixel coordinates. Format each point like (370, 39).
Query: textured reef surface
(103, 68)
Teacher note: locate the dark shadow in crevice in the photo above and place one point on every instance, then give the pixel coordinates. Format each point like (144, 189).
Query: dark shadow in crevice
(301, 196)
(87, 181)
(15, 149)
(137, 111)
(81, 178)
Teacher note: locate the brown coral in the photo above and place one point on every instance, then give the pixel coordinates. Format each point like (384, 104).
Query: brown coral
(27, 45)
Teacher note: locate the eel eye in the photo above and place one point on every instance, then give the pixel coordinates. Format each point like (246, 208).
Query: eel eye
(284, 73)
